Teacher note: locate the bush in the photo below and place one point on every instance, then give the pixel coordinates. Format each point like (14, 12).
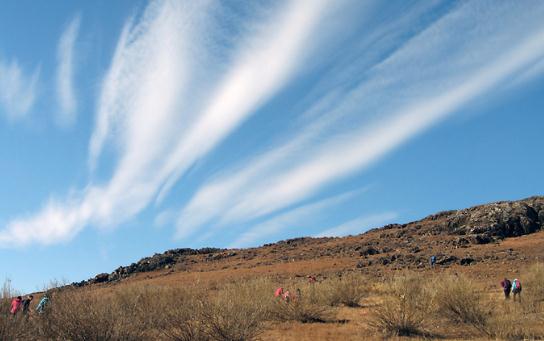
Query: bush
(347, 290)
(404, 310)
(458, 299)
(301, 310)
(237, 312)
(533, 287)
(86, 315)
(177, 314)
(513, 322)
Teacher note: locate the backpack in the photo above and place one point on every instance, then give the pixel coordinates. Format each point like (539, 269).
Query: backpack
(516, 285)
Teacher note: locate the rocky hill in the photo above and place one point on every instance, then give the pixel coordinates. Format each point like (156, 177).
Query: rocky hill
(458, 238)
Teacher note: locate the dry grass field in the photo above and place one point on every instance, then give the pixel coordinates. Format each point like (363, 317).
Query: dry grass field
(454, 303)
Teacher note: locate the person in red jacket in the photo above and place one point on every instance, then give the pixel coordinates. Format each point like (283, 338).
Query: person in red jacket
(16, 305)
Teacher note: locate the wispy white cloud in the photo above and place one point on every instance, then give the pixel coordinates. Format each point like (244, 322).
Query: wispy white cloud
(171, 96)
(265, 63)
(139, 96)
(290, 219)
(359, 225)
(66, 57)
(533, 72)
(18, 89)
(146, 107)
(425, 80)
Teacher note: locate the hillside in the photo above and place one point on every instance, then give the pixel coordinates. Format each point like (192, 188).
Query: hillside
(501, 234)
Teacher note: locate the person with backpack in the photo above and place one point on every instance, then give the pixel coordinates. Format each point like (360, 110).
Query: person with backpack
(506, 286)
(25, 303)
(43, 303)
(516, 289)
(15, 305)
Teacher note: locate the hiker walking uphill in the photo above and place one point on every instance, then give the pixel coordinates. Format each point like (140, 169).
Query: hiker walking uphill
(432, 261)
(516, 289)
(25, 304)
(16, 305)
(506, 286)
(43, 303)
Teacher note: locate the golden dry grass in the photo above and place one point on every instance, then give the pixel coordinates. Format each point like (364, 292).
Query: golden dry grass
(419, 305)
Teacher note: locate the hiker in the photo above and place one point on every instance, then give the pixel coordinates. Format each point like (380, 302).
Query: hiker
(506, 285)
(15, 305)
(43, 303)
(278, 292)
(26, 303)
(286, 296)
(516, 289)
(433, 261)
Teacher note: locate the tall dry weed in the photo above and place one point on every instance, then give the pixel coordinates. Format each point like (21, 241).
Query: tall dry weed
(237, 312)
(177, 314)
(347, 290)
(512, 321)
(86, 315)
(460, 300)
(533, 288)
(404, 310)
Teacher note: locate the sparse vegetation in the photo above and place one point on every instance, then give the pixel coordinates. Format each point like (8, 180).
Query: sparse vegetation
(404, 310)
(86, 315)
(533, 287)
(460, 300)
(302, 310)
(237, 312)
(411, 304)
(347, 290)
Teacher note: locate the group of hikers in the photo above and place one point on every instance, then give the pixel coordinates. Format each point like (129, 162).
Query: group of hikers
(22, 305)
(286, 296)
(513, 287)
(507, 286)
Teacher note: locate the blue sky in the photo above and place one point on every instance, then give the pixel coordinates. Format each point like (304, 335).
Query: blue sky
(128, 128)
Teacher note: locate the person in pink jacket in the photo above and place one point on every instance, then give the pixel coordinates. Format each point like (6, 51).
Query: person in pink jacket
(16, 305)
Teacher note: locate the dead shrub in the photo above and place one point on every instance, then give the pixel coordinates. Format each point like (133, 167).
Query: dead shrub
(236, 313)
(459, 300)
(301, 310)
(86, 315)
(178, 314)
(533, 287)
(347, 290)
(404, 310)
(514, 322)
